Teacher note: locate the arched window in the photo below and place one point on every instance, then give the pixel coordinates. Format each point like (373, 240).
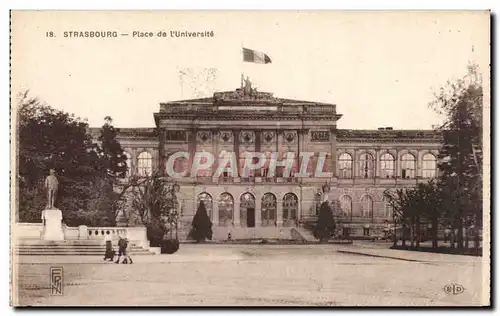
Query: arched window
(268, 210)
(407, 166)
(226, 208)
(345, 166)
(247, 210)
(387, 166)
(144, 164)
(129, 163)
(367, 206)
(207, 201)
(346, 206)
(366, 165)
(429, 166)
(290, 209)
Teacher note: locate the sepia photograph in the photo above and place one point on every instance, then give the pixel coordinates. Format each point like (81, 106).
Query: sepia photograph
(250, 158)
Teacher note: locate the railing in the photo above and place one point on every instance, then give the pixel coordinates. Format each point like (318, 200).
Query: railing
(35, 231)
(101, 232)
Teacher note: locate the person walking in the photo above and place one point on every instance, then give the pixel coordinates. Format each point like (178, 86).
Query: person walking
(110, 253)
(123, 256)
(126, 255)
(122, 249)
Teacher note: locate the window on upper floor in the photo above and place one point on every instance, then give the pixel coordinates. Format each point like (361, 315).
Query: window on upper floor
(387, 166)
(429, 166)
(407, 166)
(344, 165)
(144, 164)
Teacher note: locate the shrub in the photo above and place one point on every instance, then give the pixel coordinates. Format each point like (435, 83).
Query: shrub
(155, 234)
(169, 246)
(325, 227)
(202, 226)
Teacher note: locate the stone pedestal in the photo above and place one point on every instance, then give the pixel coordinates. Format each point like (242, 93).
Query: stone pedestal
(53, 229)
(83, 232)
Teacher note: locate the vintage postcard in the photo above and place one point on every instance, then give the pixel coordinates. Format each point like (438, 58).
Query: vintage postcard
(271, 158)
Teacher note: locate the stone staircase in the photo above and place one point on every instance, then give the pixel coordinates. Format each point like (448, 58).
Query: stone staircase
(302, 234)
(70, 248)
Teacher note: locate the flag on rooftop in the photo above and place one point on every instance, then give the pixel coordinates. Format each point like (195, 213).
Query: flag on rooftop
(252, 56)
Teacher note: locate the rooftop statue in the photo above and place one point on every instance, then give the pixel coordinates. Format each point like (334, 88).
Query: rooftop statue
(247, 90)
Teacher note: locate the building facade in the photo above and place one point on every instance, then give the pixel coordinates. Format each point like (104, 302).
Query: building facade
(363, 163)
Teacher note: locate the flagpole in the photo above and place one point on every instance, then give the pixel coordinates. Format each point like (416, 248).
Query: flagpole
(241, 61)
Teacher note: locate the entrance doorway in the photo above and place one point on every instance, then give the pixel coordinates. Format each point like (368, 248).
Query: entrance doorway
(250, 217)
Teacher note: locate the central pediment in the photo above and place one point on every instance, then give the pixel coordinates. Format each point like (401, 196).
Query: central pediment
(247, 105)
(242, 96)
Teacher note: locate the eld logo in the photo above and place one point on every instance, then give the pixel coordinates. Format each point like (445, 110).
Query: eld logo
(454, 289)
(56, 280)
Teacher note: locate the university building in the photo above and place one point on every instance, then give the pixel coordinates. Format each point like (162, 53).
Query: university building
(364, 163)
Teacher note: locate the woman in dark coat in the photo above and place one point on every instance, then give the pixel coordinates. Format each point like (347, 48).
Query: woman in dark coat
(110, 253)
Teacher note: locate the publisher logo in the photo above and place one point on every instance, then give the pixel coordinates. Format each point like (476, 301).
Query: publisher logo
(56, 280)
(454, 289)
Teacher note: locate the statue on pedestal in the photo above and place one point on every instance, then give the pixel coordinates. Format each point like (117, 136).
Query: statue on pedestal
(51, 216)
(51, 187)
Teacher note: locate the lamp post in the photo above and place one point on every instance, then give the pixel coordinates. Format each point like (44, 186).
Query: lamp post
(175, 189)
(395, 241)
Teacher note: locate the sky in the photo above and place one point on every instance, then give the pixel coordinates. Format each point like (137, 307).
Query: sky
(379, 68)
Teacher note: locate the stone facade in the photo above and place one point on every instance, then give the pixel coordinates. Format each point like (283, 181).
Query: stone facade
(363, 163)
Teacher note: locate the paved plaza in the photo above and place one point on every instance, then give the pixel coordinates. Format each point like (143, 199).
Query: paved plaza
(256, 275)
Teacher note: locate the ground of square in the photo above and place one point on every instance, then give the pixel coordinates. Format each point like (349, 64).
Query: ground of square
(254, 275)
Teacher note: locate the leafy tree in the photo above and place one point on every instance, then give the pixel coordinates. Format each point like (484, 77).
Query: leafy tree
(461, 153)
(414, 206)
(53, 139)
(155, 201)
(111, 154)
(201, 226)
(325, 226)
(432, 197)
(399, 201)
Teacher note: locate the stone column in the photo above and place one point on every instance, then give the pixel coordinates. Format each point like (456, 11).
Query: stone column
(161, 150)
(236, 212)
(396, 165)
(333, 153)
(301, 140)
(258, 210)
(236, 149)
(215, 213)
(279, 212)
(133, 163)
(355, 163)
(191, 150)
(215, 150)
